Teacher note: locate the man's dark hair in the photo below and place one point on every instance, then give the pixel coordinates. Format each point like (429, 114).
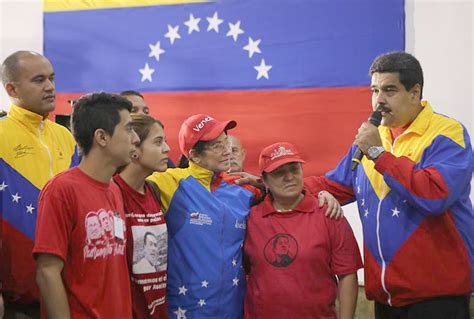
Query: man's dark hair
(275, 241)
(96, 111)
(10, 66)
(146, 235)
(404, 63)
(131, 92)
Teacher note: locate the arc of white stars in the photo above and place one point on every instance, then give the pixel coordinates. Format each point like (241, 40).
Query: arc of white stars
(252, 47)
(202, 302)
(395, 212)
(204, 283)
(182, 290)
(214, 22)
(262, 70)
(235, 281)
(180, 313)
(366, 214)
(146, 73)
(3, 186)
(16, 198)
(156, 51)
(234, 262)
(173, 33)
(30, 208)
(234, 30)
(192, 24)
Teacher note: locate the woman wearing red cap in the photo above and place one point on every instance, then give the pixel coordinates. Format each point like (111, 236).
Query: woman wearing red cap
(293, 252)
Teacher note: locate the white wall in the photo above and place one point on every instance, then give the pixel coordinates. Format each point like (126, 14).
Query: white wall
(438, 32)
(21, 28)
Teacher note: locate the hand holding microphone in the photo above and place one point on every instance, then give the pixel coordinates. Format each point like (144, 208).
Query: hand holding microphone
(375, 119)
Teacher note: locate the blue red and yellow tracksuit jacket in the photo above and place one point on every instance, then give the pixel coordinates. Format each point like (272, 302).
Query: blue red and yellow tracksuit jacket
(206, 215)
(32, 150)
(416, 214)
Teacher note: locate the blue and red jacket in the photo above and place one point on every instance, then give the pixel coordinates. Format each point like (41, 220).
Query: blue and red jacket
(416, 214)
(32, 150)
(206, 215)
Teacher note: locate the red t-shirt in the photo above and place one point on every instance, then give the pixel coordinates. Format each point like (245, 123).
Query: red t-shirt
(147, 257)
(82, 221)
(292, 259)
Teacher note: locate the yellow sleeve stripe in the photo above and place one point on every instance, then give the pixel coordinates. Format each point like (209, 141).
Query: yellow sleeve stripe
(72, 5)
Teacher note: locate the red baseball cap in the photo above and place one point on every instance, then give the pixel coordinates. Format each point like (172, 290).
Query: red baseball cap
(276, 155)
(201, 127)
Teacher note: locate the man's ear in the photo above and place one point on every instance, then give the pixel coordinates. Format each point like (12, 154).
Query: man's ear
(11, 89)
(416, 92)
(194, 156)
(101, 137)
(243, 155)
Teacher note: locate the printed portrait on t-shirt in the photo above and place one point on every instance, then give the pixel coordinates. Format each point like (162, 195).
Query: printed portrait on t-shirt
(281, 250)
(150, 249)
(106, 219)
(94, 231)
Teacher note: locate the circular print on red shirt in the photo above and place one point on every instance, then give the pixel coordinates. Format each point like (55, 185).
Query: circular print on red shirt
(281, 250)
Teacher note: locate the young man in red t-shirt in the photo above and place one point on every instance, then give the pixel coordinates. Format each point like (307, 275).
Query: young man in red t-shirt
(80, 235)
(298, 260)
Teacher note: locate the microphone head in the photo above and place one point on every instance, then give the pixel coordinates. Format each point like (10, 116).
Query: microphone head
(376, 118)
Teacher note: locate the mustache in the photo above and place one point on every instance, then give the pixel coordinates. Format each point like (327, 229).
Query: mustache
(382, 108)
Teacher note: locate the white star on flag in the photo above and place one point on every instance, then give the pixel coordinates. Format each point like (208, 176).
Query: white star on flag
(395, 212)
(358, 189)
(182, 290)
(262, 70)
(156, 51)
(16, 198)
(234, 30)
(234, 262)
(192, 24)
(214, 23)
(252, 47)
(202, 302)
(172, 33)
(3, 186)
(362, 202)
(30, 208)
(146, 73)
(235, 281)
(366, 212)
(404, 200)
(204, 284)
(180, 313)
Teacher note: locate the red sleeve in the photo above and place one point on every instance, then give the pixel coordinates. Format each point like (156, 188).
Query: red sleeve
(342, 193)
(54, 223)
(345, 255)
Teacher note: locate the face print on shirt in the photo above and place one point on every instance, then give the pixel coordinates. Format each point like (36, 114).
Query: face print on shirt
(281, 250)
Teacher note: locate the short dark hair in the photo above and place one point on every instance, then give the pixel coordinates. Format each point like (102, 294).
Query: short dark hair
(277, 237)
(148, 234)
(405, 64)
(96, 111)
(131, 92)
(10, 66)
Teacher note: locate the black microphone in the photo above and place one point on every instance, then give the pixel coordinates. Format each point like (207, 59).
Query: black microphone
(375, 118)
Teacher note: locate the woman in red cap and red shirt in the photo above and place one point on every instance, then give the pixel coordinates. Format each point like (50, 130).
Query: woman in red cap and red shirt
(293, 252)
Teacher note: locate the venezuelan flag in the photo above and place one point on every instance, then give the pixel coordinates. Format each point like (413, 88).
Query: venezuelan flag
(284, 70)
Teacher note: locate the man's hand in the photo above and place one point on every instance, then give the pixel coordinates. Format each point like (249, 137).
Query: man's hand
(367, 136)
(334, 208)
(248, 179)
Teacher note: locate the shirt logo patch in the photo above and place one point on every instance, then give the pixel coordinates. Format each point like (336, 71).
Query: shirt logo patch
(196, 218)
(281, 250)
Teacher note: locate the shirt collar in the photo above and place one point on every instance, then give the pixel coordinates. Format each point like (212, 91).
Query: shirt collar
(30, 119)
(307, 205)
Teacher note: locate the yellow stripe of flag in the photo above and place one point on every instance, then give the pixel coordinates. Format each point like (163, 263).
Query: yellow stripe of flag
(71, 5)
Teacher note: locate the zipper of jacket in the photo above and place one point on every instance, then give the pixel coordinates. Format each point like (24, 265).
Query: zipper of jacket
(384, 266)
(40, 128)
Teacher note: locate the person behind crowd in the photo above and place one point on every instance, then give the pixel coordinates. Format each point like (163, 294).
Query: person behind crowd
(139, 105)
(412, 189)
(33, 149)
(206, 214)
(80, 272)
(293, 252)
(237, 156)
(143, 212)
